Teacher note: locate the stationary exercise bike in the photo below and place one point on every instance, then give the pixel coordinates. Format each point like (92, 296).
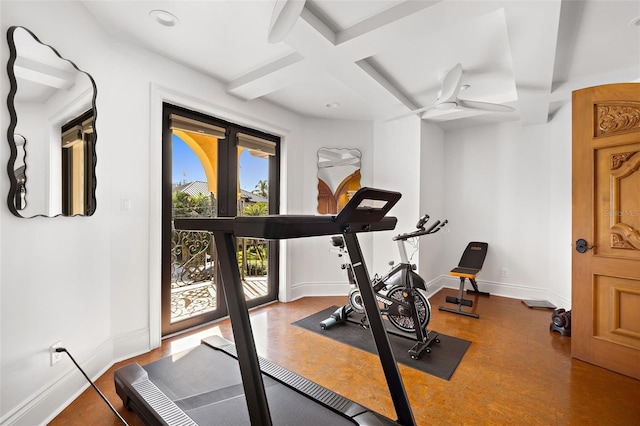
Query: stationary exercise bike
(400, 300)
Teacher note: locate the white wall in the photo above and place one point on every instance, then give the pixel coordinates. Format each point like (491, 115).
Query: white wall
(55, 275)
(38, 164)
(90, 282)
(499, 185)
(317, 268)
(432, 189)
(560, 244)
(93, 282)
(397, 168)
(409, 157)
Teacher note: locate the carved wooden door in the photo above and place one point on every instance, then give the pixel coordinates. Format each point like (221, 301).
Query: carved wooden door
(606, 227)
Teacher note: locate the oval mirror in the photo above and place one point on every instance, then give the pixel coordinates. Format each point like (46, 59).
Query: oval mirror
(52, 105)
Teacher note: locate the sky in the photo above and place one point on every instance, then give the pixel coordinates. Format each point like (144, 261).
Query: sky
(187, 167)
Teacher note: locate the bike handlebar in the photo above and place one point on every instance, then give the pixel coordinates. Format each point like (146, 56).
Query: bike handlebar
(424, 219)
(431, 230)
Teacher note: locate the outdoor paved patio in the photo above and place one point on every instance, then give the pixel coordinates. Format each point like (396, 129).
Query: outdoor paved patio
(196, 299)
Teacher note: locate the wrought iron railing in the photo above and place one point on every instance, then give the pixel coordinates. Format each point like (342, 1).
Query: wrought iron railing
(252, 257)
(192, 258)
(194, 266)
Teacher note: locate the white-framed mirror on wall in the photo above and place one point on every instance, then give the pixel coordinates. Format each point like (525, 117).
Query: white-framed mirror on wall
(338, 178)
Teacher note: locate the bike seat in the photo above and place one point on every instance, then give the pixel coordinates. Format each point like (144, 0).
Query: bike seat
(337, 241)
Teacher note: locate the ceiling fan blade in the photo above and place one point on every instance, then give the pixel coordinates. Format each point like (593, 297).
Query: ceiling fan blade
(451, 84)
(485, 106)
(406, 114)
(285, 16)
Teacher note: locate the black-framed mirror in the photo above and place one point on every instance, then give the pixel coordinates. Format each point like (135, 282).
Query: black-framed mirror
(52, 105)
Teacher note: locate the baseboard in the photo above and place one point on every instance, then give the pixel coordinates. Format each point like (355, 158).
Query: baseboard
(342, 289)
(46, 403)
(435, 285)
(559, 301)
(319, 289)
(131, 344)
(52, 398)
(510, 290)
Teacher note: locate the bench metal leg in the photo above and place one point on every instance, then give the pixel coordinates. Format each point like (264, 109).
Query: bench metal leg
(460, 301)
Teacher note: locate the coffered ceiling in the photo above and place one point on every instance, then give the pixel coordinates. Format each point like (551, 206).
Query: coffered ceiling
(380, 59)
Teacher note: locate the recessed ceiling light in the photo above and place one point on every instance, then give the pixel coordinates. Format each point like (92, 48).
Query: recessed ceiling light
(333, 105)
(446, 105)
(464, 87)
(163, 17)
(635, 22)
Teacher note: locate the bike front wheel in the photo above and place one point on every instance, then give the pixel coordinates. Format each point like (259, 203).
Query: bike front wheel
(405, 323)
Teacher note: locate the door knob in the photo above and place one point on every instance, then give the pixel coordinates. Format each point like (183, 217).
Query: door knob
(581, 246)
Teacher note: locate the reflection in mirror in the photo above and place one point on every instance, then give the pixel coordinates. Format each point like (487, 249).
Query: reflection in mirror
(52, 106)
(19, 166)
(338, 178)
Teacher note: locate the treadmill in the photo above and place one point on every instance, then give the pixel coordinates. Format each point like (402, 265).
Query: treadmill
(219, 382)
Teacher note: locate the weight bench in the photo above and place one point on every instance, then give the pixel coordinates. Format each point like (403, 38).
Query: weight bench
(469, 266)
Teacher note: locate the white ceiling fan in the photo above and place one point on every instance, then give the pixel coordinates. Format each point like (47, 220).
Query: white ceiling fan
(284, 17)
(448, 97)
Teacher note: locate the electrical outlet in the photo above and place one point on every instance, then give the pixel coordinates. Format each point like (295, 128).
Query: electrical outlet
(504, 273)
(55, 356)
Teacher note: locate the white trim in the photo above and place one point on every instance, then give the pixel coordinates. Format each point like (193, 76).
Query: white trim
(513, 291)
(341, 288)
(559, 301)
(319, 289)
(130, 344)
(46, 403)
(159, 95)
(434, 286)
(284, 292)
(69, 111)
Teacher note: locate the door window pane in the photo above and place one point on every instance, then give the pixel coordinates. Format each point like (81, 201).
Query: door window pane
(253, 200)
(194, 288)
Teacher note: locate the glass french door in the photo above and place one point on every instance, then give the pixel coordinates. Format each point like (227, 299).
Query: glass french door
(212, 168)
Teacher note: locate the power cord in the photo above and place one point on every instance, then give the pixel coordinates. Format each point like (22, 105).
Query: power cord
(94, 386)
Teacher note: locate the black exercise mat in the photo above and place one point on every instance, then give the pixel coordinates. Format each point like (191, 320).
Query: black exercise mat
(441, 362)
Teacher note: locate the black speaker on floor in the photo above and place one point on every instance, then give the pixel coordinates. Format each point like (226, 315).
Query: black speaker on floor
(561, 321)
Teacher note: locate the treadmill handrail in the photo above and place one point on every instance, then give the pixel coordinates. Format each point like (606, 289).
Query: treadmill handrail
(363, 213)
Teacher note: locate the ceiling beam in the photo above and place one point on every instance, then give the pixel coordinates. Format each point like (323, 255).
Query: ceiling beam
(533, 68)
(41, 73)
(319, 49)
(346, 55)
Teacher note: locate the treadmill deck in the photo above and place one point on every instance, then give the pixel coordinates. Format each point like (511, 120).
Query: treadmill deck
(203, 386)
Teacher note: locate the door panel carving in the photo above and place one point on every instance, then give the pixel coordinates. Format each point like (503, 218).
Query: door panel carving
(618, 204)
(625, 182)
(617, 304)
(617, 117)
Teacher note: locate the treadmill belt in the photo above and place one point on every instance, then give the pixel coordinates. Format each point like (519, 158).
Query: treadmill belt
(205, 384)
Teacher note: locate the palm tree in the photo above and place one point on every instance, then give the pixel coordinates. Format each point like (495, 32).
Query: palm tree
(262, 189)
